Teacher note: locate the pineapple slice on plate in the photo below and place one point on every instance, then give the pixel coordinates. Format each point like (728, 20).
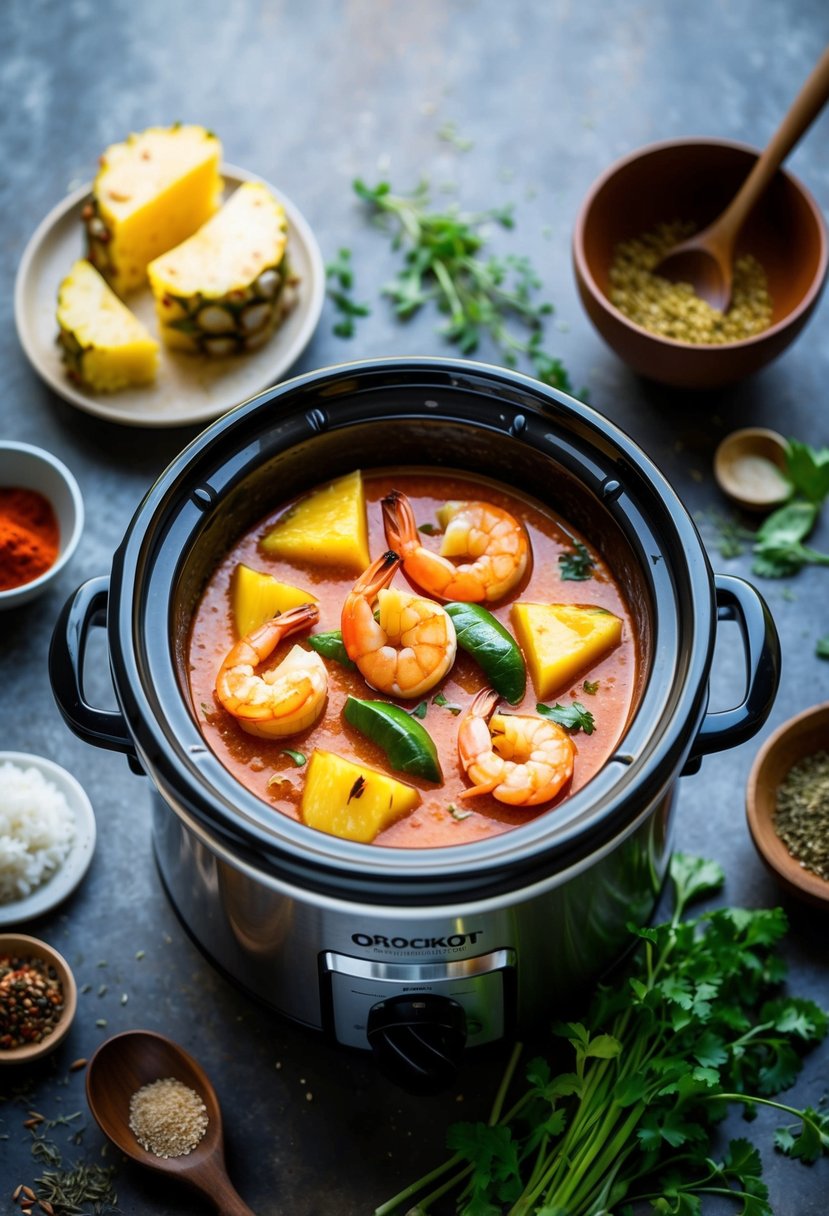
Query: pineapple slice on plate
(104, 346)
(151, 192)
(221, 291)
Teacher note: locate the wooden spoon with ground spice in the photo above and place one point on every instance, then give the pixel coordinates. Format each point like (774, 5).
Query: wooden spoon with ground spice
(157, 1105)
(706, 259)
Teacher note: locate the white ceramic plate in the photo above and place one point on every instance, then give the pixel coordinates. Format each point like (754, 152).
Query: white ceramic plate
(188, 389)
(64, 881)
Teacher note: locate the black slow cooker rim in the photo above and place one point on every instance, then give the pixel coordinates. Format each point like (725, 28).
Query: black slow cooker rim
(192, 778)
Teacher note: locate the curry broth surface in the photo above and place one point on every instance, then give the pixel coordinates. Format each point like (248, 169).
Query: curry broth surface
(257, 762)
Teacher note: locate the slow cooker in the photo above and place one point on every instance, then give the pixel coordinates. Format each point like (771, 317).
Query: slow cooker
(415, 954)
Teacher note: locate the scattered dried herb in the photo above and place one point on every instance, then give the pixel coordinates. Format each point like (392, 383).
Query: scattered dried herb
(82, 1188)
(801, 815)
(444, 264)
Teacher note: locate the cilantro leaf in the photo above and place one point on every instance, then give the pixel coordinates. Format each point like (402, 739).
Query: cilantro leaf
(578, 565)
(808, 470)
(574, 717)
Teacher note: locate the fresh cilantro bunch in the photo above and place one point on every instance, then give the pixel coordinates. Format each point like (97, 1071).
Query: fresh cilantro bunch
(778, 546)
(481, 295)
(698, 1023)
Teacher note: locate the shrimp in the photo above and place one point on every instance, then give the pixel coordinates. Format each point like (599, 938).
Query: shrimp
(285, 700)
(495, 540)
(412, 643)
(521, 759)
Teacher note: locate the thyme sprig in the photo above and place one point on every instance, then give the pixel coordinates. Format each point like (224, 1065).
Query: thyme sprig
(444, 263)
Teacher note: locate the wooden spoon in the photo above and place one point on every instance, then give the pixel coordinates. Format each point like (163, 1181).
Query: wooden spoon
(118, 1069)
(706, 260)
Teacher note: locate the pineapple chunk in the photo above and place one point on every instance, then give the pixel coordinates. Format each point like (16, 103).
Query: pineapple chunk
(220, 291)
(328, 528)
(103, 345)
(255, 597)
(151, 192)
(350, 800)
(561, 640)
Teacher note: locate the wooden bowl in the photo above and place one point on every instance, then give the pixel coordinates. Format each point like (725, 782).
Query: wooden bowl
(32, 947)
(801, 736)
(746, 467)
(693, 180)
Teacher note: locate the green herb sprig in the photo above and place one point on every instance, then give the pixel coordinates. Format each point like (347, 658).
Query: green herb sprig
(698, 1023)
(340, 276)
(778, 546)
(481, 295)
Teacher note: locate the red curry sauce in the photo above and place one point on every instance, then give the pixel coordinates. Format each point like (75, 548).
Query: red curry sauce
(261, 764)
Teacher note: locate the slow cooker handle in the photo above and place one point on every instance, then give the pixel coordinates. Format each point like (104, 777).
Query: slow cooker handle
(102, 727)
(738, 601)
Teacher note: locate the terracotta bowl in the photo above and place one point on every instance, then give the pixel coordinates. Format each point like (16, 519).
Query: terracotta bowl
(32, 947)
(693, 180)
(801, 736)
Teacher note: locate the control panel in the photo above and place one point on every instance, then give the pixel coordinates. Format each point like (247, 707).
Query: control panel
(482, 986)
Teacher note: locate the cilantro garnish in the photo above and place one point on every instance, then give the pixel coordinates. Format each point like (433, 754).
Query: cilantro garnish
(574, 716)
(697, 1022)
(341, 282)
(591, 687)
(440, 700)
(577, 565)
(482, 296)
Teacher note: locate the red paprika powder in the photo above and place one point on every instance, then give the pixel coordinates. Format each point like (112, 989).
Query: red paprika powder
(29, 536)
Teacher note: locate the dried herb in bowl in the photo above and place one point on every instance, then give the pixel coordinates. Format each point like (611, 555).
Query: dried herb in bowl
(801, 817)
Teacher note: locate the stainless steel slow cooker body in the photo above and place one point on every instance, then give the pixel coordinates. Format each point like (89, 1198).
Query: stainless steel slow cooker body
(413, 952)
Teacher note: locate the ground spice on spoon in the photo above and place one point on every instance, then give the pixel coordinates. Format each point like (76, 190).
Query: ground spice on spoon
(168, 1118)
(801, 817)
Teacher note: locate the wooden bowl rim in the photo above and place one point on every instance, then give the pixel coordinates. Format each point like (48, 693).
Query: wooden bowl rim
(799, 881)
(703, 349)
(742, 440)
(23, 943)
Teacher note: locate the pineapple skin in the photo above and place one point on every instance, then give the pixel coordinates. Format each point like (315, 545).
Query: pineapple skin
(124, 231)
(238, 311)
(103, 346)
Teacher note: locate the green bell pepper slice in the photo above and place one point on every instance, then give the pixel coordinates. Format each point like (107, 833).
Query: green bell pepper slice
(408, 745)
(492, 647)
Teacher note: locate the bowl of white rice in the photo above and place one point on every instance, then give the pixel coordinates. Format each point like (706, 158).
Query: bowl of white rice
(47, 835)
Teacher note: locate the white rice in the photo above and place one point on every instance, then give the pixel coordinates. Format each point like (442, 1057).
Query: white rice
(37, 829)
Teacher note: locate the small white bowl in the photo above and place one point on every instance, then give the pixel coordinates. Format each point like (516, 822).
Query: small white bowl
(33, 468)
(54, 890)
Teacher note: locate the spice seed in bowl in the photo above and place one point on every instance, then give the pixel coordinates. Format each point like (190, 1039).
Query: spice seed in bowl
(673, 310)
(801, 816)
(31, 1001)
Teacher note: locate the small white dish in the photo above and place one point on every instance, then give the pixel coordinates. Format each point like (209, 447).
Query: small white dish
(64, 881)
(188, 390)
(32, 468)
